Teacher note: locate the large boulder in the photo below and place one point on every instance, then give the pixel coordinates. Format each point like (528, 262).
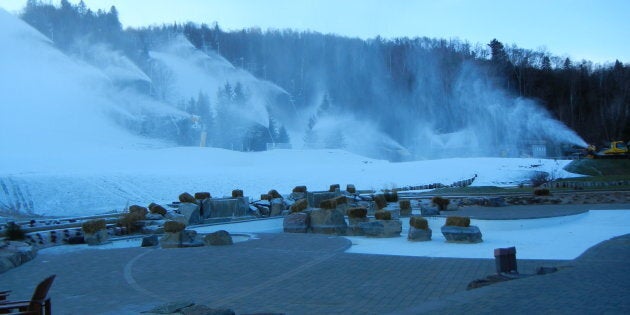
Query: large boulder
(185, 238)
(299, 192)
(297, 222)
(96, 238)
(428, 209)
(341, 203)
(186, 197)
(220, 237)
(382, 228)
(316, 197)
(154, 216)
(354, 226)
(14, 253)
(460, 234)
(191, 213)
(150, 241)
(171, 240)
(277, 206)
(416, 234)
(328, 221)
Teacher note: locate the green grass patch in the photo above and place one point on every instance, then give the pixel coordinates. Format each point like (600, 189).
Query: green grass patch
(607, 178)
(475, 190)
(599, 167)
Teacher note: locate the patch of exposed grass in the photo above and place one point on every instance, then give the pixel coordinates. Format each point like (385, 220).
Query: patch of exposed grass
(599, 167)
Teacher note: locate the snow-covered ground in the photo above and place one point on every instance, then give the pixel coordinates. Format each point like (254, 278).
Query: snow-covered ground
(83, 182)
(549, 238)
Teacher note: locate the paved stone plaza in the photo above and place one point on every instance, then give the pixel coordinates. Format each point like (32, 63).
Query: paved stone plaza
(311, 274)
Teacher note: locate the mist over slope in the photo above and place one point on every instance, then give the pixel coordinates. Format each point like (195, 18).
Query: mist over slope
(51, 102)
(423, 99)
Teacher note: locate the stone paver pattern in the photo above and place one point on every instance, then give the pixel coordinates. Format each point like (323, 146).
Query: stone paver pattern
(311, 274)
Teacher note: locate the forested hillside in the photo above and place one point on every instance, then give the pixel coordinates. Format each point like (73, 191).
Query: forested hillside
(415, 93)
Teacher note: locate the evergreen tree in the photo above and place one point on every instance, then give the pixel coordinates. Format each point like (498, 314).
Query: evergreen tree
(283, 136)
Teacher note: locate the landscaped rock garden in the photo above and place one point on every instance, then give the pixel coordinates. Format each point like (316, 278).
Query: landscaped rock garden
(458, 230)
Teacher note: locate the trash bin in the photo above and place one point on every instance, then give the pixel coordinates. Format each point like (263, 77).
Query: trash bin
(505, 259)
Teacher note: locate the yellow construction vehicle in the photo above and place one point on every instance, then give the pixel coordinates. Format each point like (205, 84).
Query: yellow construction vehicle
(616, 150)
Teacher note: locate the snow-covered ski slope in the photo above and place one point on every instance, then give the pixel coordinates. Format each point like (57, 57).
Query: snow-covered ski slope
(74, 182)
(61, 153)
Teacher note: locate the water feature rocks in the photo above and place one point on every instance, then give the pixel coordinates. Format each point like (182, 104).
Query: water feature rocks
(225, 207)
(296, 222)
(328, 221)
(191, 213)
(277, 206)
(220, 237)
(459, 234)
(381, 228)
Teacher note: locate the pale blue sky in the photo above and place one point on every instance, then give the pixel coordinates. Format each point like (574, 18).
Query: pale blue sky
(597, 30)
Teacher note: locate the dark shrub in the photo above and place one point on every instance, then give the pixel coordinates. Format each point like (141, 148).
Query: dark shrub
(299, 205)
(351, 189)
(186, 197)
(341, 200)
(173, 226)
(539, 178)
(93, 226)
(130, 219)
(334, 187)
(404, 204)
(157, 209)
(236, 193)
(458, 221)
(380, 201)
(542, 192)
(419, 223)
(138, 209)
(202, 195)
(358, 212)
(273, 194)
(299, 189)
(440, 202)
(382, 215)
(14, 232)
(391, 196)
(328, 204)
